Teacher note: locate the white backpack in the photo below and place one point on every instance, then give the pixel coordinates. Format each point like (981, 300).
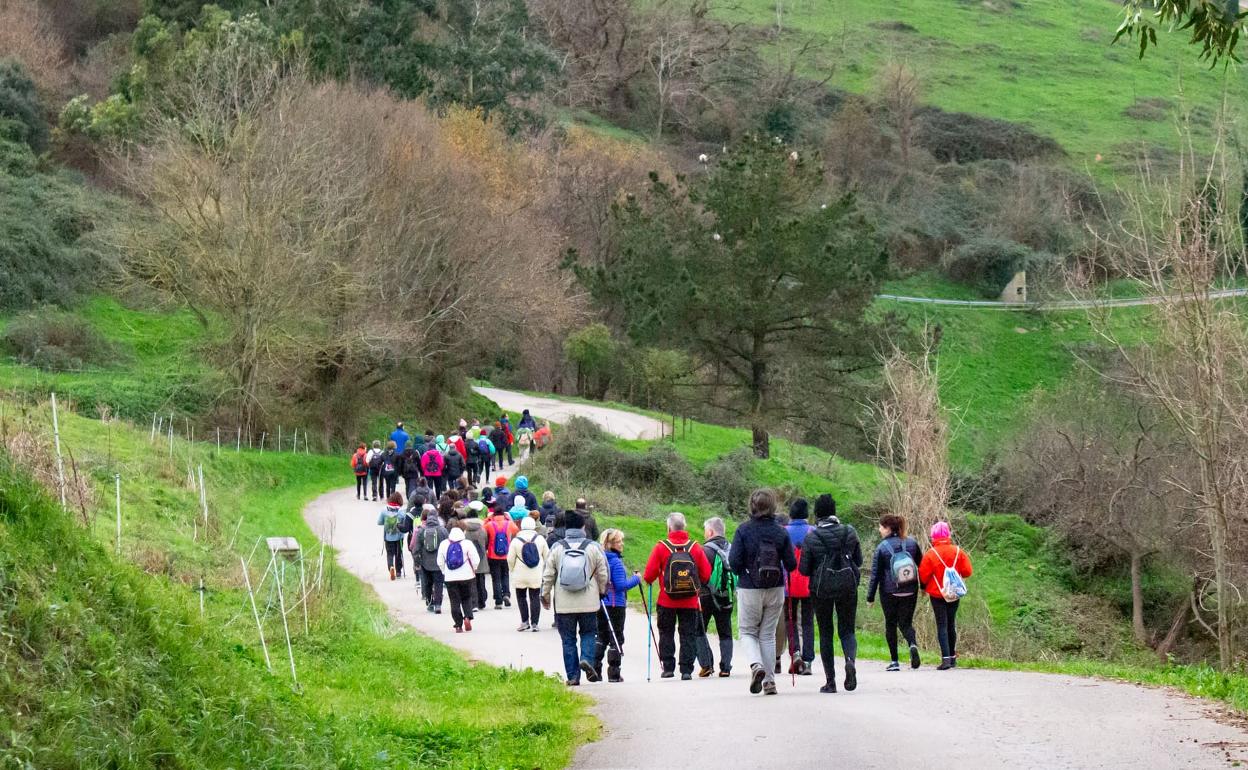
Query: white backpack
(953, 587)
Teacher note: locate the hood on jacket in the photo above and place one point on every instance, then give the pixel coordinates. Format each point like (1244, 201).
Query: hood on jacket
(456, 536)
(519, 510)
(528, 524)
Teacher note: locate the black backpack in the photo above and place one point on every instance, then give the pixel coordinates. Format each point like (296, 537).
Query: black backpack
(405, 522)
(680, 574)
(767, 571)
(374, 463)
(835, 578)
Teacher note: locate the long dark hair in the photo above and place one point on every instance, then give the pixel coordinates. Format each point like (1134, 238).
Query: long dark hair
(894, 522)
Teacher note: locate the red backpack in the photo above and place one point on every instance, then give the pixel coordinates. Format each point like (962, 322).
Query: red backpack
(799, 584)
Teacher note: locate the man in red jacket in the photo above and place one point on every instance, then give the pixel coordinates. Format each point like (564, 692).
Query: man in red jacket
(681, 567)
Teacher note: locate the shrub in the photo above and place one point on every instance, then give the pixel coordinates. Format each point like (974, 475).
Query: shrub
(955, 137)
(729, 480)
(19, 102)
(57, 342)
(988, 263)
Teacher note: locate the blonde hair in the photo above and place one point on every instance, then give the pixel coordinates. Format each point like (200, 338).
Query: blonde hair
(610, 536)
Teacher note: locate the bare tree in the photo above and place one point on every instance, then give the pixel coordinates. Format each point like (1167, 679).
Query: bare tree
(27, 35)
(899, 90)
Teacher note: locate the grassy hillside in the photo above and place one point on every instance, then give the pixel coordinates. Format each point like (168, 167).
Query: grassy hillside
(1045, 63)
(371, 694)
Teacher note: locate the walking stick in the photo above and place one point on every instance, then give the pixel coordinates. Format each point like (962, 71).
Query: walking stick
(649, 631)
(790, 613)
(611, 628)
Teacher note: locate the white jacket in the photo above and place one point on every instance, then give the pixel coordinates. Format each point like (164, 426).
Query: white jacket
(467, 570)
(522, 575)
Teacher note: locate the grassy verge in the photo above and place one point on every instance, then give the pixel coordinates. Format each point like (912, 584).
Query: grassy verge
(371, 693)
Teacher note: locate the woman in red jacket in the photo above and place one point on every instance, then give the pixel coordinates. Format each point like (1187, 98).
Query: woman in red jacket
(359, 464)
(942, 555)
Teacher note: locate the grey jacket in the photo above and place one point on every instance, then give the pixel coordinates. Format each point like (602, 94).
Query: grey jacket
(569, 602)
(474, 532)
(428, 561)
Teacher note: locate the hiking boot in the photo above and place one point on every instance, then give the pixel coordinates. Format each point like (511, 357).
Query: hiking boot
(806, 669)
(534, 629)
(757, 675)
(769, 688)
(829, 687)
(588, 669)
(523, 627)
(437, 610)
(497, 606)
(686, 676)
(953, 661)
(467, 624)
(894, 666)
(667, 674)
(725, 674)
(778, 666)
(392, 573)
(945, 664)
(614, 677)
(574, 683)
(705, 672)
(914, 656)
(507, 602)
(851, 676)
(459, 629)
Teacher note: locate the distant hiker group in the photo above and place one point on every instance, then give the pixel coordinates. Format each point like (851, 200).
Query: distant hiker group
(793, 584)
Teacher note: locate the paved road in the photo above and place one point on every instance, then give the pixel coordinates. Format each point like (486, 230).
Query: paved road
(624, 424)
(966, 719)
(1065, 304)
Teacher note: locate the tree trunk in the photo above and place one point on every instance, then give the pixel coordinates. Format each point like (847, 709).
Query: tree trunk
(1137, 599)
(1172, 636)
(762, 442)
(758, 398)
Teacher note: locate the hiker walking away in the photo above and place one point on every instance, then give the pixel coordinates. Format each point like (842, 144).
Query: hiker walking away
(392, 536)
(452, 465)
(389, 470)
(799, 611)
(486, 449)
(895, 572)
(611, 616)
(542, 436)
(425, 544)
(418, 447)
(717, 595)
(942, 572)
(471, 443)
(832, 559)
(680, 566)
(498, 437)
(591, 525)
(374, 468)
(523, 491)
(399, 437)
(547, 510)
(574, 579)
(456, 442)
(527, 421)
(474, 531)
(409, 469)
(760, 556)
(359, 466)
(499, 531)
(431, 464)
(526, 558)
(509, 439)
(457, 558)
(502, 496)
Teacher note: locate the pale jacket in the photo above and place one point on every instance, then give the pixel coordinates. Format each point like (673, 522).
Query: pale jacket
(569, 602)
(467, 570)
(522, 575)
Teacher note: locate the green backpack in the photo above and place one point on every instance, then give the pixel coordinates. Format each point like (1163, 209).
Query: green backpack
(723, 582)
(391, 522)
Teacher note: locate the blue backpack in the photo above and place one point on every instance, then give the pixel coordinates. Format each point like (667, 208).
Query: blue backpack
(529, 553)
(454, 556)
(485, 447)
(904, 570)
(500, 540)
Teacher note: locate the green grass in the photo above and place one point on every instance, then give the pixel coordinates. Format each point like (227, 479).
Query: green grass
(372, 694)
(1045, 63)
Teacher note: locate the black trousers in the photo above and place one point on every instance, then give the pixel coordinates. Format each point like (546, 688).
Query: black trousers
(479, 590)
(898, 614)
(845, 610)
(500, 577)
(610, 645)
(799, 616)
(473, 472)
(361, 487)
(723, 629)
(946, 625)
(410, 483)
(460, 594)
(529, 600)
(394, 556)
(431, 587)
(506, 448)
(689, 622)
(389, 483)
(439, 485)
(373, 479)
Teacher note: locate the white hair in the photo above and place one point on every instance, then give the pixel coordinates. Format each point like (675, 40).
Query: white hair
(675, 522)
(715, 525)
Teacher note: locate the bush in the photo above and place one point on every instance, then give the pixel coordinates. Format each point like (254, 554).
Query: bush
(729, 480)
(988, 263)
(955, 137)
(57, 342)
(19, 102)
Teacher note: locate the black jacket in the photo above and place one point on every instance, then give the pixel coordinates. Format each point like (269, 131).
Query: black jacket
(822, 543)
(498, 439)
(548, 510)
(753, 535)
(454, 464)
(882, 566)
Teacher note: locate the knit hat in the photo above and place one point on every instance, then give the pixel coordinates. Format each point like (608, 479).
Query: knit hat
(798, 509)
(518, 510)
(940, 530)
(522, 483)
(825, 506)
(527, 523)
(500, 482)
(573, 519)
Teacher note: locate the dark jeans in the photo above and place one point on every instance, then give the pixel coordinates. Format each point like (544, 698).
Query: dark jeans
(946, 625)
(569, 624)
(390, 482)
(409, 484)
(898, 613)
(373, 479)
(846, 609)
(530, 602)
(361, 487)
(473, 473)
(479, 585)
(394, 556)
(723, 629)
(506, 448)
(439, 486)
(460, 594)
(431, 587)
(799, 616)
(689, 622)
(610, 619)
(487, 468)
(500, 578)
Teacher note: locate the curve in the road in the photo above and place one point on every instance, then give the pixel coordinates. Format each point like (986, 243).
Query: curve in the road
(919, 719)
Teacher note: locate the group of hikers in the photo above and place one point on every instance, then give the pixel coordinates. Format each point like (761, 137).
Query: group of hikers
(783, 575)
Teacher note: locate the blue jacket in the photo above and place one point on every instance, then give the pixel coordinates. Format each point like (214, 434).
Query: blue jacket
(798, 530)
(882, 566)
(400, 439)
(621, 581)
(753, 535)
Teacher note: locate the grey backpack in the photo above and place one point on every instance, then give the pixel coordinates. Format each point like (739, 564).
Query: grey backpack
(574, 572)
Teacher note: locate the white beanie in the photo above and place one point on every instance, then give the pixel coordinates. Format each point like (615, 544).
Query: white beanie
(528, 523)
(476, 505)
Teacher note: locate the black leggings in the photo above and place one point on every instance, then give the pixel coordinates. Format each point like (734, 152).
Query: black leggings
(500, 577)
(898, 613)
(946, 625)
(361, 487)
(394, 556)
(846, 610)
(530, 602)
(610, 645)
(431, 587)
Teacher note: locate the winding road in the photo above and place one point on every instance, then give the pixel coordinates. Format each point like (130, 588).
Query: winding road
(965, 719)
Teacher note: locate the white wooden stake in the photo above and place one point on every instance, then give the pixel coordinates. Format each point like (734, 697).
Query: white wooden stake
(281, 603)
(60, 463)
(151, 439)
(117, 485)
(238, 442)
(218, 441)
(262, 437)
(171, 436)
(294, 442)
(279, 438)
(256, 614)
(201, 597)
(303, 589)
(203, 495)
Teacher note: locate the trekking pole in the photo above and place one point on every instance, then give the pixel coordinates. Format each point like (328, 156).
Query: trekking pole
(791, 613)
(649, 631)
(611, 628)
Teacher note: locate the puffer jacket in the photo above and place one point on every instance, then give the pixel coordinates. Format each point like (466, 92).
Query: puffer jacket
(943, 553)
(466, 570)
(474, 531)
(522, 575)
